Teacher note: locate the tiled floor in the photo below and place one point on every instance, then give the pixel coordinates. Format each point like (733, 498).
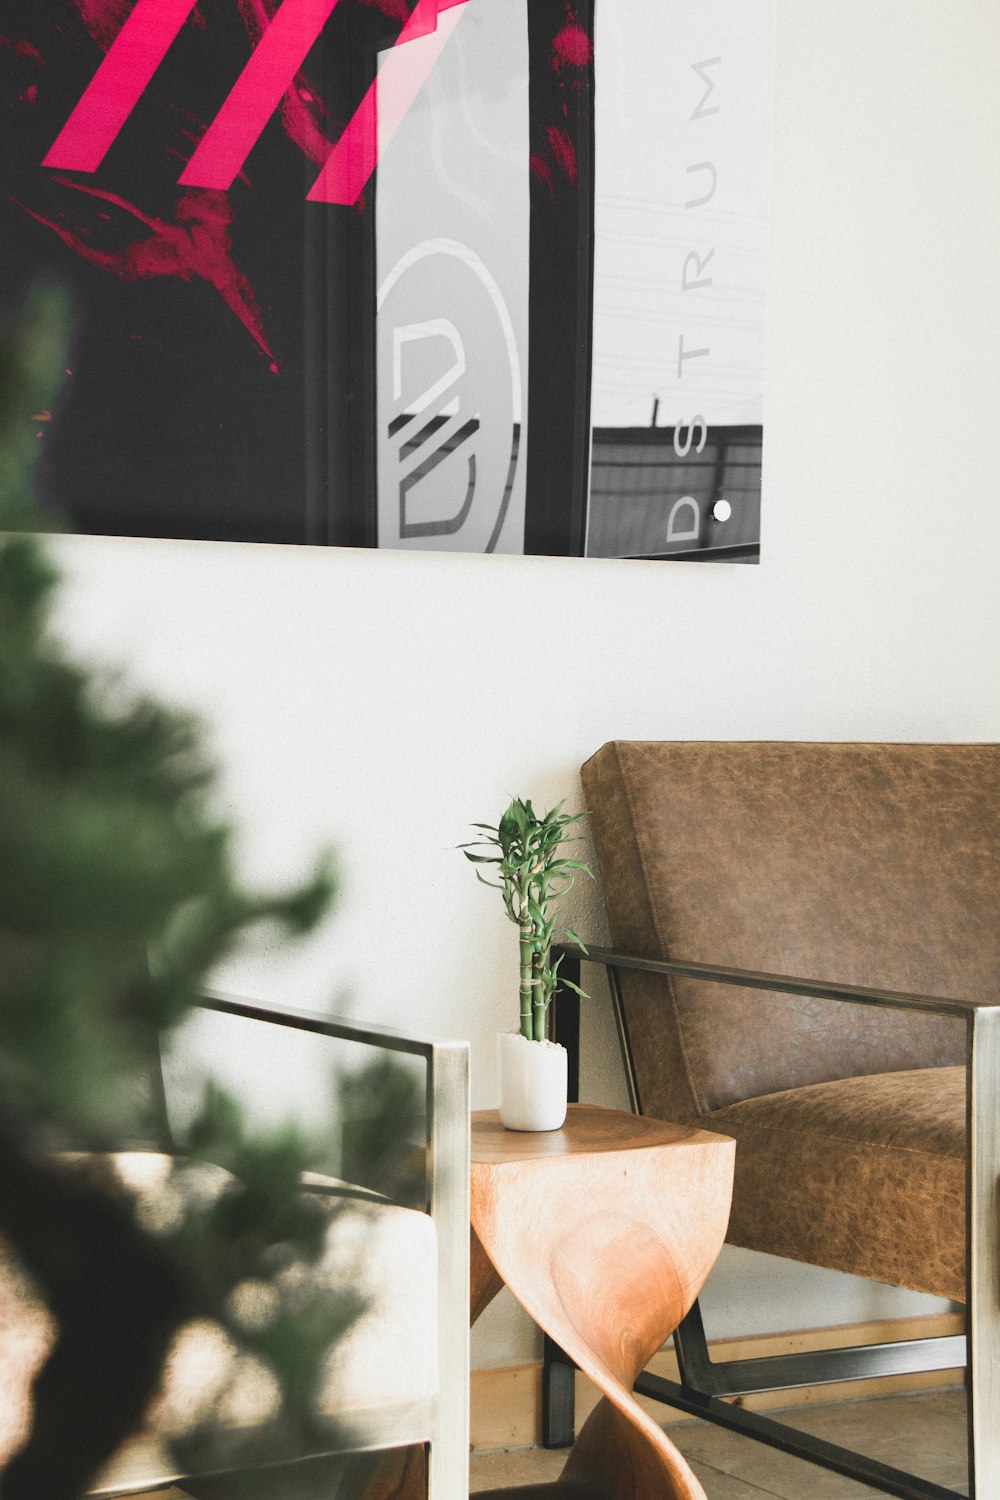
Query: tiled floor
(924, 1434)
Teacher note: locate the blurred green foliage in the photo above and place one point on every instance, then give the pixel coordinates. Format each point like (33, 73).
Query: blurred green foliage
(118, 896)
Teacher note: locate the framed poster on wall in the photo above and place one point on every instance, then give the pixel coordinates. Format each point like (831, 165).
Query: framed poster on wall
(343, 271)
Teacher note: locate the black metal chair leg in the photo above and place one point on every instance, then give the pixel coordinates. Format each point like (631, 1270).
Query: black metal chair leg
(558, 1397)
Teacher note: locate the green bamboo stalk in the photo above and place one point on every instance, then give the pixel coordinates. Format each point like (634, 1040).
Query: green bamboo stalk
(539, 999)
(527, 977)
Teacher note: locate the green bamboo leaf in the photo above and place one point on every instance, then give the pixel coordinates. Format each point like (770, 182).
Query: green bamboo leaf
(516, 815)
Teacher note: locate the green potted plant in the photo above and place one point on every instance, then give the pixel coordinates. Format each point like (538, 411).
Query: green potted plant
(533, 874)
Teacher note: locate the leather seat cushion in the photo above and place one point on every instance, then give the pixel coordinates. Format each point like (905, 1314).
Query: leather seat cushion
(864, 1175)
(387, 1358)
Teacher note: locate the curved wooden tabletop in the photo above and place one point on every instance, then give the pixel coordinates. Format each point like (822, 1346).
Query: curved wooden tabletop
(588, 1128)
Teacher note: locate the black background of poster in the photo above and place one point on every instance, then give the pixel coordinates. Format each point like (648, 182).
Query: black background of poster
(173, 421)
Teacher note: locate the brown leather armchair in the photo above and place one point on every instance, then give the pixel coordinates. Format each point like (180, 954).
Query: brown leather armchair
(865, 1098)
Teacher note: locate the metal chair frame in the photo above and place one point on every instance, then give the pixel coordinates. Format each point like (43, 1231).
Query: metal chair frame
(444, 1424)
(704, 1385)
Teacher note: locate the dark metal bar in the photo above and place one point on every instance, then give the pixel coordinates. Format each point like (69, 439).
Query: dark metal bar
(694, 1362)
(624, 1040)
(558, 1397)
(566, 1023)
(558, 1370)
(780, 983)
(792, 1441)
(739, 1377)
(827, 1366)
(560, 292)
(345, 513)
(320, 1025)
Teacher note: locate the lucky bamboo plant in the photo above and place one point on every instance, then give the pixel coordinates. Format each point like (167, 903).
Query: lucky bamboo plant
(533, 876)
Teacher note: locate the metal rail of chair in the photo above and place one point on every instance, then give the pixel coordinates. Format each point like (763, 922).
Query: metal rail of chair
(448, 1147)
(705, 1385)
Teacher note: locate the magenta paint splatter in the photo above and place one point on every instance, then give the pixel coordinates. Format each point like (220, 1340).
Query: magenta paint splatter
(396, 10)
(104, 18)
(553, 159)
(563, 152)
(572, 47)
(197, 246)
(539, 167)
(21, 48)
(559, 157)
(256, 16)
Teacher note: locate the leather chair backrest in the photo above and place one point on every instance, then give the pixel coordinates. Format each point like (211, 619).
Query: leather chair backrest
(861, 864)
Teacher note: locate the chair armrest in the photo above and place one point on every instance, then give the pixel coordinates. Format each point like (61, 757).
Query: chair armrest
(448, 1151)
(332, 1026)
(749, 979)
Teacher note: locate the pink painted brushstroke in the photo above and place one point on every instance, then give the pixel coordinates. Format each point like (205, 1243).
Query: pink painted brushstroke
(118, 85)
(199, 246)
(380, 113)
(257, 93)
(303, 113)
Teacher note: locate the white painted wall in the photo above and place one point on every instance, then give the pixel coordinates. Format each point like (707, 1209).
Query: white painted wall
(383, 701)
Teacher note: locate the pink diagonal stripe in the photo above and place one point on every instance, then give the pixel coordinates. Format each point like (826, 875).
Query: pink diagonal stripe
(117, 86)
(380, 113)
(257, 93)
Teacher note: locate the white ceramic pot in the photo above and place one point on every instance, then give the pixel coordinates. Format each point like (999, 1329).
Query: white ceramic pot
(532, 1078)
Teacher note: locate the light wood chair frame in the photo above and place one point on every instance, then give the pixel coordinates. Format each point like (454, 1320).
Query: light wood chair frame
(704, 1384)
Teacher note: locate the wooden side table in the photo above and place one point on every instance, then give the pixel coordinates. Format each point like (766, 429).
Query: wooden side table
(604, 1231)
